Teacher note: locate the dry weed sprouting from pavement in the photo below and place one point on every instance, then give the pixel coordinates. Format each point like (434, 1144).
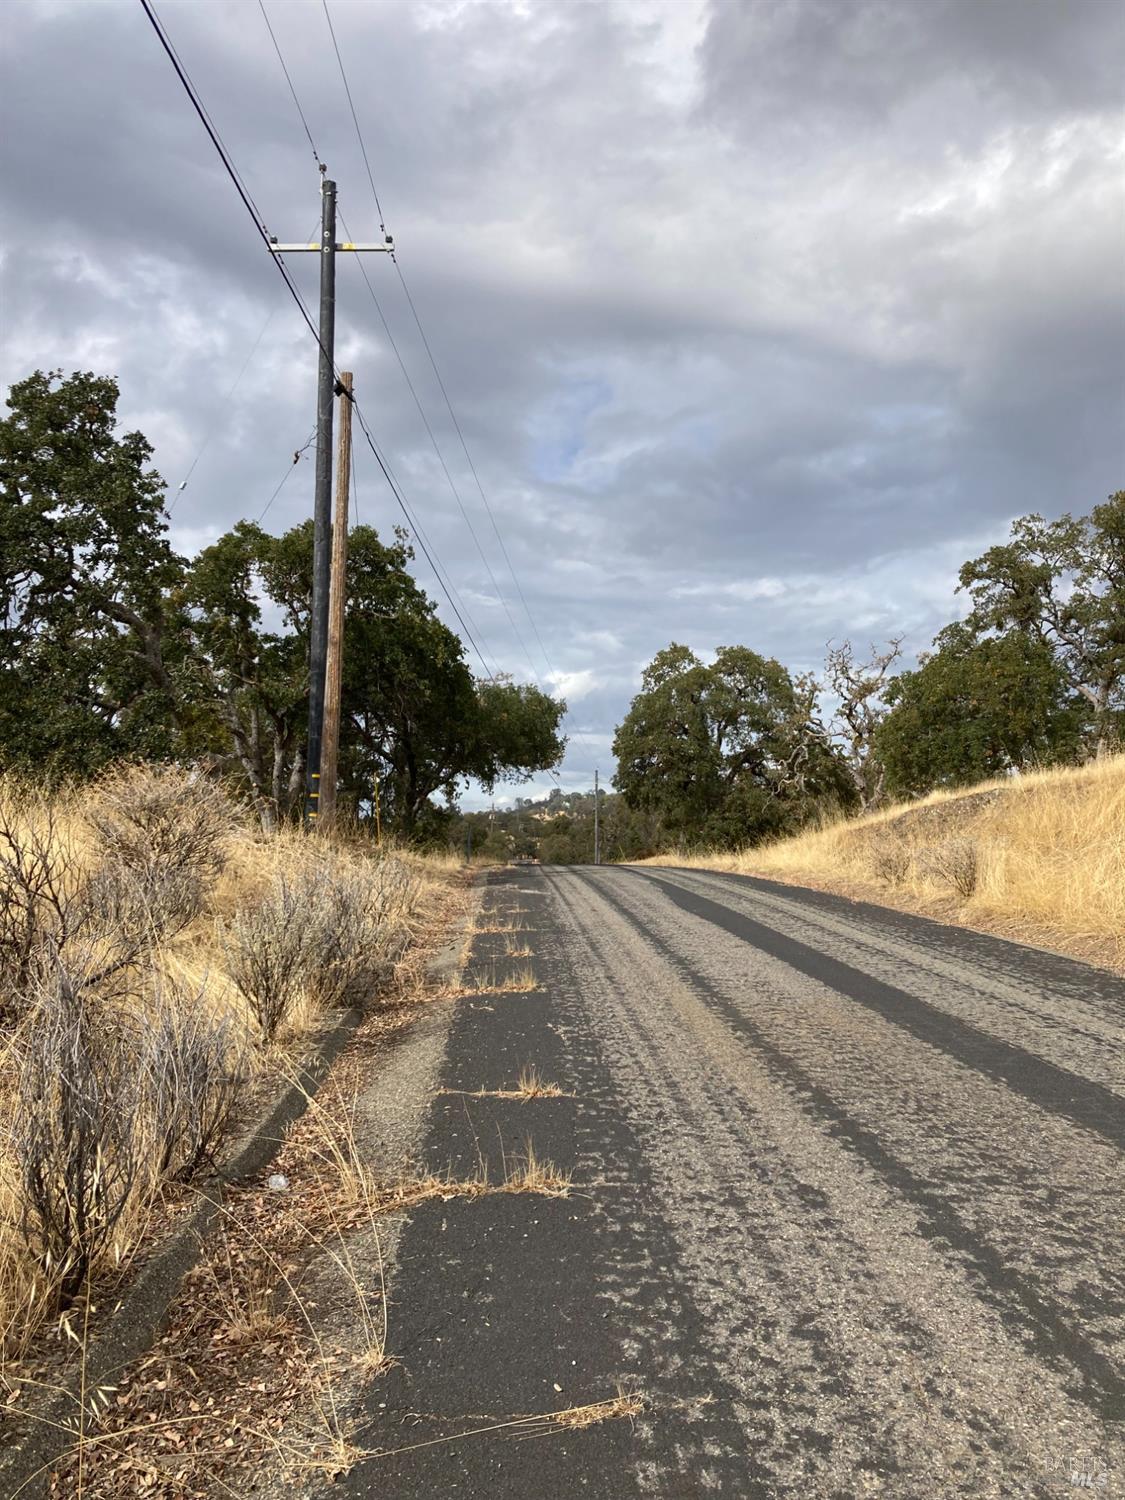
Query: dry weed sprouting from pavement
(626, 1405)
(528, 1086)
(250, 1371)
(535, 1176)
(514, 948)
(577, 1417)
(520, 981)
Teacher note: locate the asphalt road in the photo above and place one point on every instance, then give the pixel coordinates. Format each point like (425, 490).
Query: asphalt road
(847, 1208)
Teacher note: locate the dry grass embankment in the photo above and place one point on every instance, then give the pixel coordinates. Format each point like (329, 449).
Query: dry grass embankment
(162, 967)
(1039, 858)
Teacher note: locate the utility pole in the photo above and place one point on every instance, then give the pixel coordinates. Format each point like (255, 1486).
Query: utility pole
(337, 594)
(597, 823)
(326, 248)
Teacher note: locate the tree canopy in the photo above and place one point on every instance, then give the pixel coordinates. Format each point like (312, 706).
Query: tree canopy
(111, 645)
(90, 650)
(726, 753)
(975, 708)
(1063, 583)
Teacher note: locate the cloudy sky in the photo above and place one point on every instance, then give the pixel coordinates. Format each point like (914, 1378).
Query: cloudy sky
(758, 316)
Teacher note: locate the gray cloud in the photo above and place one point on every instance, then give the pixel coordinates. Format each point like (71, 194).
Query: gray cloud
(758, 318)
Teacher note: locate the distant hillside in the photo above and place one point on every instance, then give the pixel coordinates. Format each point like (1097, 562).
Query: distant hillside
(1038, 857)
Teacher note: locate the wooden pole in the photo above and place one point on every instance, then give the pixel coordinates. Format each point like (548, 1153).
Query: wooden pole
(337, 595)
(322, 497)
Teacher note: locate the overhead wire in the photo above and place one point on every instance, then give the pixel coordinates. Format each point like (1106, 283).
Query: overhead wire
(441, 458)
(441, 575)
(444, 391)
(259, 224)
(294, 461)
(182, 486)
(428, 551)
(391, 339)
(355, 117)
(292, 90)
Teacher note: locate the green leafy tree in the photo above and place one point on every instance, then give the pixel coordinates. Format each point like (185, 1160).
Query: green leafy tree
(92, 646)
(255, 680)
(413, 719)
(1063, 583)
(977, 708)
(111, 645)
(728, 753)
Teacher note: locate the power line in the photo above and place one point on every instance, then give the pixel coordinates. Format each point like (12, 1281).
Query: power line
(226, 399)
(442, 387)
(444, 583)
(422, 540)
(259, 225)
(441, 458)
(355, 118)
(227, 161)
(289, 81)
(473, 467)
(294, 461)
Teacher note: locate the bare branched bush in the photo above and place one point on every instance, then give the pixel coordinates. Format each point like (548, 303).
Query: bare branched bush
(75, 1137)
(161, 818)
(889, 860)
(134, 909)
(193, 1066)
(270, 951)
(159, 839)
(339, 935)
(360, 927)
(325, 935)
(956, 862)
(162, 836)
(39, 874)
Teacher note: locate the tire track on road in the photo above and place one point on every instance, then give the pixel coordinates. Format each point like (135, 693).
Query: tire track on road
(864, 1351)
(1042, 1324)
(1043, 1083)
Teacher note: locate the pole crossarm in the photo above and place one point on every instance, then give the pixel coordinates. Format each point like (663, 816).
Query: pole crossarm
(316, 247)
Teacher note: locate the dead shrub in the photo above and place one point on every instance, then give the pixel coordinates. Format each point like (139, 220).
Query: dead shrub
(75, 1139)
(271, 949)
(159, 841)
(193, 1067)
(150, 819)
(162, 834)
(132, 911)
(889, 860)
(956, 862)
(359, 926)
(38, 876)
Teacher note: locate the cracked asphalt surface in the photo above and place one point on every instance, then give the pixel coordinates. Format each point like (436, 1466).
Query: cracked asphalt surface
(847, 1207)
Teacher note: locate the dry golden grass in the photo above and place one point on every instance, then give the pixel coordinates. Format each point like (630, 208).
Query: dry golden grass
(521, 981)
(626, 1405)
(529, 1086)
(190, 965)
(623, 1405)
(1040, 856)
